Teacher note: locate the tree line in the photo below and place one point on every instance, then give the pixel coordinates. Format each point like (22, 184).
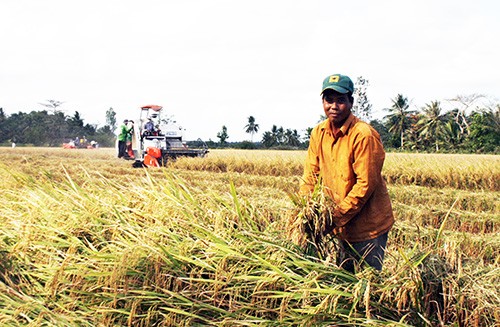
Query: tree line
(468, 128)
(53, 128)
(431, 129)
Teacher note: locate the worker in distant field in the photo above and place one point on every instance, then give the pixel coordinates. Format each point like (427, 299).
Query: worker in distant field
(130, 135)
(346, 155)
(124, 131)
(149, 127)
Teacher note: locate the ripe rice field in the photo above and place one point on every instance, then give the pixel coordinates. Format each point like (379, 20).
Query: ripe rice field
(87, 240)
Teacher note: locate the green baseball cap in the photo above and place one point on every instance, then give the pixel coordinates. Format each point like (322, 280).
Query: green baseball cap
(339, 83)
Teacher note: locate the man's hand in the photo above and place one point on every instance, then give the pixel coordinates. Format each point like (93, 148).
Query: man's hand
(330, 218)
(332, 222)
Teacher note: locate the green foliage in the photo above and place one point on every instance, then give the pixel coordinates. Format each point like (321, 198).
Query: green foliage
(279, 137)
(251, 127)
(435, 131)
(485, 131)
(41, 128)
(431, 125)
(430, 130)
(387, 138)
(247, 145)
(398, 120)
(111, 119)
(222, 135)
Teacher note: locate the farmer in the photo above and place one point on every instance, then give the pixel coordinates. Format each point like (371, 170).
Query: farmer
(129, 152)
(346, 155)
(149, 127)
(124, 131)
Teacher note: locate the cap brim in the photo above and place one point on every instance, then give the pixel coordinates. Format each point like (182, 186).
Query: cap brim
(336, 88)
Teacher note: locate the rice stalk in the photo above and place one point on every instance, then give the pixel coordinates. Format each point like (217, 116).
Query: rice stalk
(122, 247)
(312, 225)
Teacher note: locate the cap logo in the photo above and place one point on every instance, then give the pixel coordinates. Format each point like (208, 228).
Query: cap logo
(334, 79)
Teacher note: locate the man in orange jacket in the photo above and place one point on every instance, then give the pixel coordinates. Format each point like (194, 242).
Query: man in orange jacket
(347, 155)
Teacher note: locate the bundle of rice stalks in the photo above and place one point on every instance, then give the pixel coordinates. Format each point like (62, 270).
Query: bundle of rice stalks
(311, 224)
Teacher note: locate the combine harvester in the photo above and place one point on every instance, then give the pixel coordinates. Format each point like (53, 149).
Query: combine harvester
(157, 139)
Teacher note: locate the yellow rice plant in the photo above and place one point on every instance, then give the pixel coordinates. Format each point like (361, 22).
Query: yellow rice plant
(155, 252)
(311, 225)
(268, 163)
(86, 240)
(468, 172)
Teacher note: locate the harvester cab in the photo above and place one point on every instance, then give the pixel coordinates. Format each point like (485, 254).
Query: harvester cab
(157, 139)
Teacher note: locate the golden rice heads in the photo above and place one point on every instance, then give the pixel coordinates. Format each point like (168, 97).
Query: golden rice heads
(312, 220)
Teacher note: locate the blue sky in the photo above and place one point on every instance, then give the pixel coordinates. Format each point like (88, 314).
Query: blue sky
(214, 63)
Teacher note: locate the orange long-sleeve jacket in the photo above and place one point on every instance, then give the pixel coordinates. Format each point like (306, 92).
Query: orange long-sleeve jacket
(350, 166)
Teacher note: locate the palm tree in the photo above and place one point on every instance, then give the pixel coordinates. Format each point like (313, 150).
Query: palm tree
(432, 124)
(452, 137)
(268, 139)
(292, 137)
(251, 127)
(399, 116)
(492, 119)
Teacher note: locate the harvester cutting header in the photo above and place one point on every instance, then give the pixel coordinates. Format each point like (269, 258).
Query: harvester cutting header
(157, 139)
